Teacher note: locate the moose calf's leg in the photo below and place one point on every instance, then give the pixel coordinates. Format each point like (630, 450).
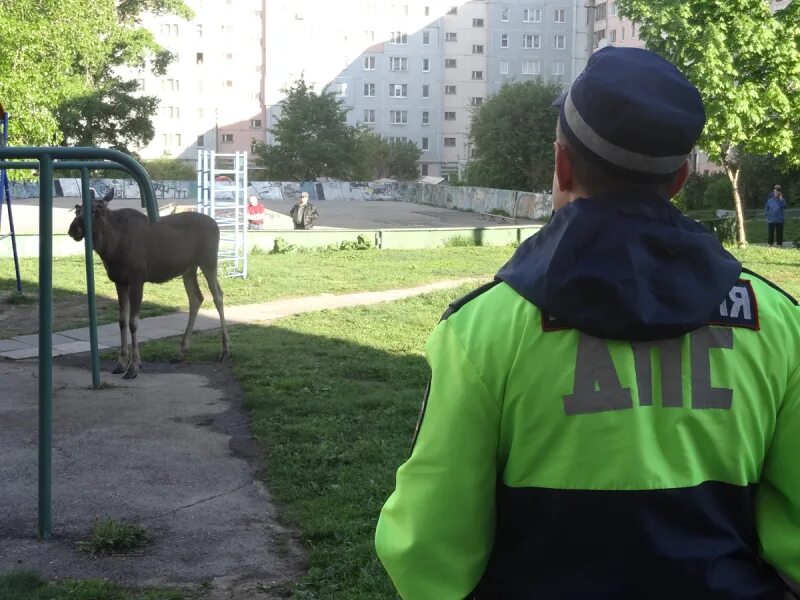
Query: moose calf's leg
(195, 301)
(124, 315)
(216, 292)
(135, 363)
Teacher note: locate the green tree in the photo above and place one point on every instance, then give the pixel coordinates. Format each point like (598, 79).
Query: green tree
(312, 138)
(61, 56)
(375, 157)
(512, 135)
(745, 61)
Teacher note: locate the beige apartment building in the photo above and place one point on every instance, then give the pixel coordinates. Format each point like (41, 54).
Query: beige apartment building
(410, 70)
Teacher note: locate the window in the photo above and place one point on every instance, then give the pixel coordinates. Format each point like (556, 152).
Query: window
(255, 123)
(622, 31)
(424, 144)
(396, 140)
(369, 116)
(426, 91)
(450, 90)
(398, 38)
(558, 68)
(560, 15)
(199, 31)
(477, 22)
(423, 169)
(598, 37)
(503, 67)
(426, 64)
(476, 101)
(227, 138)
(257, 96)
(477, 74)
(199, 85)
(369, 63)
(169, 29)
(427, 11)
(226, 29)
(228, 83)
(398, 90)
(200, 113)
(397, 63)
(477, 48)
(450, 63)
(449, 116)
(426, 117)
(600, 12)
(531, 67)
(171, 112)
(369, 90)
(450, 142)
(633, 30)
(170, 85)
(504, 14)
(451, 37)
(426, 38)
(504, 40)
(369, 35)
(453, 11)
(229, 56)
(532, 15)
(560, 41)
(201, 141)
(532, 41)
(199, 58)
(398, 117)
(613, 9)
(612, 35)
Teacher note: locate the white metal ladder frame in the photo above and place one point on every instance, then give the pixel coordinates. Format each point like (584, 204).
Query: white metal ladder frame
(230, 215)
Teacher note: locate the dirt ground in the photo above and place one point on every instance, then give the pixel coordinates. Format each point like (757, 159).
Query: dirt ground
(23, 319)
(170, 451)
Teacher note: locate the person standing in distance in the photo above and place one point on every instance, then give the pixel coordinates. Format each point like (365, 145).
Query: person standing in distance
(616, 415)
(773, 210)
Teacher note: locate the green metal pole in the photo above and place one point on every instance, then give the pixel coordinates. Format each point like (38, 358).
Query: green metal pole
(87, 236)
(45, 346)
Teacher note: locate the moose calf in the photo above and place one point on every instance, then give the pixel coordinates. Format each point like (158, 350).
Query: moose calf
(134, 251)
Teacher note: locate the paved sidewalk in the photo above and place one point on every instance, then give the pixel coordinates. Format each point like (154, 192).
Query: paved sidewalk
(75, 341)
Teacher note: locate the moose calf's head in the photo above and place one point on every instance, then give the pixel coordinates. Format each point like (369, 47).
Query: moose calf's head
(99, 210)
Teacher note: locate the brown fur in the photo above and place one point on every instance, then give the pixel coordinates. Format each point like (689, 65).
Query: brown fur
(135, 251)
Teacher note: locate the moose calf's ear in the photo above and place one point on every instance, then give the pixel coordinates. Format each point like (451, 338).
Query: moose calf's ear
(77, 208)
(109, 196)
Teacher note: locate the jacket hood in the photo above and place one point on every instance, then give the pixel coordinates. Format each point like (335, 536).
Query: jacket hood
(625, 266)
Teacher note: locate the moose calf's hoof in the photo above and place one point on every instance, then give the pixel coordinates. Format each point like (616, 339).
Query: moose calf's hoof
(118, 368)
(131, 373)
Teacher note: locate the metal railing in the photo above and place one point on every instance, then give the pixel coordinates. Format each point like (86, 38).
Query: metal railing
(46, 160)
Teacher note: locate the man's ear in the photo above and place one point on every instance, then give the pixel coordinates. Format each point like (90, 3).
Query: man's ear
(680, 179)
(564, 168)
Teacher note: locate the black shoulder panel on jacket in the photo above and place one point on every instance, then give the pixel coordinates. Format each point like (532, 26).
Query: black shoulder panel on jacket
(456, 305)
(770, 284)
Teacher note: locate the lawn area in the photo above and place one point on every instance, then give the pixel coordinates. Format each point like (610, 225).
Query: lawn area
(27, 586)
(336, 413)
(756, 230)
(270, 277)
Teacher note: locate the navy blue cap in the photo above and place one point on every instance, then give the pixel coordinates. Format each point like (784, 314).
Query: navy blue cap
(633, 113)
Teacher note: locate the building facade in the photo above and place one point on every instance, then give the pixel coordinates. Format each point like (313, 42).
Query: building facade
(413, 70)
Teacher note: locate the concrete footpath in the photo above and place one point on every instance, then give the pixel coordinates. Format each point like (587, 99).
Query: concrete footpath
(170, 451)
(76, 341)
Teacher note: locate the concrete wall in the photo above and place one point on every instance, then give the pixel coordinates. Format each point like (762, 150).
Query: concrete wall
(483, 200)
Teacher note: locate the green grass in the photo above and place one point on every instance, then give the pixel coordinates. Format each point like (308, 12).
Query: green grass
(334, 397)
(110, 536)
(270, 277)
(756, 230)
(28, 586)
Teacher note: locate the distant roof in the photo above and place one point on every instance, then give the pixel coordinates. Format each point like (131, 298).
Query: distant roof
(431, 179)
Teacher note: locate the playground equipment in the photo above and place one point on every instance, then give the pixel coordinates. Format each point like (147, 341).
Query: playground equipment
(5, 191)
(46, 160)
(222, 195)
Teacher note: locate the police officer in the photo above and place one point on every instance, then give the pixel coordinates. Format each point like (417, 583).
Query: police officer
(618, 414)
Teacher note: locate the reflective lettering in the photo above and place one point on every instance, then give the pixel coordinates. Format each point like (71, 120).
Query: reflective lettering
(597, 387)
(741, 302)
(670, 353)
(701, 341)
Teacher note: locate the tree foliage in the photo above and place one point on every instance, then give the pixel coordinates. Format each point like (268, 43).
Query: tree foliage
(314, 140)
(512, 135)
(745, 61)
(61, 59)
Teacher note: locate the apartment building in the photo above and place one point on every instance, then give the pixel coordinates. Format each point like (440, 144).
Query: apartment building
(414, 69)
(212, 94)
(422, 82)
